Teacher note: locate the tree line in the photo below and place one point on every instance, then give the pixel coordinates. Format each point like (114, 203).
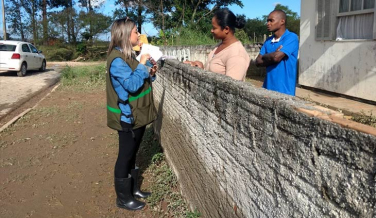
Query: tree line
(46, 21)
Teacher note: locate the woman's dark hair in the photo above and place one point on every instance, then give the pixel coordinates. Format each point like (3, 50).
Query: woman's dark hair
(225, 17)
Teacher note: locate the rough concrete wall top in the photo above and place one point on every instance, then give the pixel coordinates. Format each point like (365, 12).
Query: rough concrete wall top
(241, 151)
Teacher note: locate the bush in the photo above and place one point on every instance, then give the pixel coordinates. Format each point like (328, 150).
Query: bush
(81, 48)
(58, 54)
(96, 53)
(363, 118)
(192, 36)
(184, 36)
(242, 36)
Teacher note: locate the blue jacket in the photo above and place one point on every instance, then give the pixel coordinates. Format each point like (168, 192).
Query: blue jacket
(126, 81)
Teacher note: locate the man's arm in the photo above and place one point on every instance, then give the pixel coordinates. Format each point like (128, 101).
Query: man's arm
(270, 59)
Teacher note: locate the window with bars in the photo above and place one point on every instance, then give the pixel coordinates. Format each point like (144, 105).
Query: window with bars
(346, 19)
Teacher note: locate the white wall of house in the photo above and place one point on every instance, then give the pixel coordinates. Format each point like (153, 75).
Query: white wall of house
(345, 67)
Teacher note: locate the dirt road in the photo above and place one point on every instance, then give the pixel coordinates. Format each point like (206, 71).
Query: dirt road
(58, 160)
(17, 90)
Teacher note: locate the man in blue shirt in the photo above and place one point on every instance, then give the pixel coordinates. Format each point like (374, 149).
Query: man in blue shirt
(279, 55)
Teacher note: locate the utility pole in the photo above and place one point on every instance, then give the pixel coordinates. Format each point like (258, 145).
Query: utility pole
(4, 24)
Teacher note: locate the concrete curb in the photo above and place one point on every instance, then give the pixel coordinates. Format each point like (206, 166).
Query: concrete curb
(336, 117)
(27, 110)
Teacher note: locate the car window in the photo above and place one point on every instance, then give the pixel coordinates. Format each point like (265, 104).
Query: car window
(5, 47)
(33, 49)
(25, 48)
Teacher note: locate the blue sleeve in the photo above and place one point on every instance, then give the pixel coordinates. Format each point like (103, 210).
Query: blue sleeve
(290, 45)
(130, 80)
(263, 50)
(153, 77)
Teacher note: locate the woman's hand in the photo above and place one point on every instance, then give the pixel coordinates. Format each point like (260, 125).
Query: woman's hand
(199, 64)
(195, 63)
(144, 58)
(153, 70)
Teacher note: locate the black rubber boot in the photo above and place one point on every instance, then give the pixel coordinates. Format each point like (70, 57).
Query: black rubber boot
(135, 188)
(125, 199)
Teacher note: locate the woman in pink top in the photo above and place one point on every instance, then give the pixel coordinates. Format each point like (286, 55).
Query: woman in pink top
(229, 57)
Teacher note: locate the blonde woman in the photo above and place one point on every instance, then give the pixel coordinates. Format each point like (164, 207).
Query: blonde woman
(130, 108)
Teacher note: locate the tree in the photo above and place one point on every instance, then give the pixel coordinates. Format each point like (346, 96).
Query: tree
(93, 24)
(137, 10)
(160, 12)
(58, 25)
(58, 21)
(43, 6)
(15, 13)
(70, 13)
(44, 21)
(90, 5)
(32, 7)
(256, 27)
(195, 14)
(8, 36)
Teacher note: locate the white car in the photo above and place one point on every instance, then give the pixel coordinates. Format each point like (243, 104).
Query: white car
(20, 57)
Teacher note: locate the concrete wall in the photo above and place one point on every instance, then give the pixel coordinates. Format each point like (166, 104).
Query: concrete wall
(345, 67)
(201, 52)
(241, 151)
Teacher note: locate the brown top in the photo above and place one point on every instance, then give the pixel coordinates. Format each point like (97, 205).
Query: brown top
(232, 61)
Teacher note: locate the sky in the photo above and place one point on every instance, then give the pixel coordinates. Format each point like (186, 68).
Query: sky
(251, 9)
(257, 8)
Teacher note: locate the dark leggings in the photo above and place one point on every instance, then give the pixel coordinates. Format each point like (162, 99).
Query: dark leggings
(129, 144)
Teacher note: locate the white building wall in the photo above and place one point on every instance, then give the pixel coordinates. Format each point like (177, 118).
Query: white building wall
(345, 67)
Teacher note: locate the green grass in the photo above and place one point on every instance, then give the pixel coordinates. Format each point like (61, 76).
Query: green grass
(365, 119)
(84, 77)
(27, 119)
(164, 184)
(45, 111)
